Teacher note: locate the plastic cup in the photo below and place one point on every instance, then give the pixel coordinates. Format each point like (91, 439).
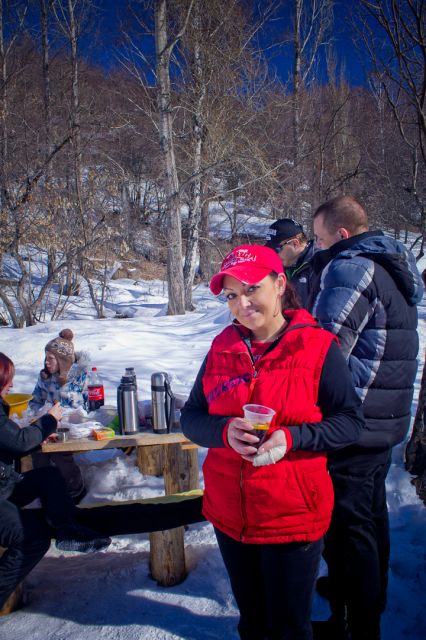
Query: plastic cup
(260, 417)
(62, 434)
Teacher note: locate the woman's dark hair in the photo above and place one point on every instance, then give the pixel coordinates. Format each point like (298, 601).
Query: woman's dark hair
(290, 298)
(7, 371)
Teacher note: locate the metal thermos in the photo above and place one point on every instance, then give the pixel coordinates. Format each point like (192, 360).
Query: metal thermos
(163, 403)
(131, 372)
(127, 405)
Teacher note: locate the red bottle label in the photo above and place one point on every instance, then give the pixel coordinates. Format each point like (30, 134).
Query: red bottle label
(96, 393)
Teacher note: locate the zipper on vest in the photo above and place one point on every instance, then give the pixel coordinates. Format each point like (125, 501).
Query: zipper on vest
(243, 513)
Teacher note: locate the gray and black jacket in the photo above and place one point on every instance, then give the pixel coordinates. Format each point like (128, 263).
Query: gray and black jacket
(367, 290)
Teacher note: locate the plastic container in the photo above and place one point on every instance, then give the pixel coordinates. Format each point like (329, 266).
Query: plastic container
(95, 390)
(105, 433)
(18, 402)
(260, 417)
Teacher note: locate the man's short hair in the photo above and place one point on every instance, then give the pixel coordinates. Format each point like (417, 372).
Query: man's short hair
(343, 212)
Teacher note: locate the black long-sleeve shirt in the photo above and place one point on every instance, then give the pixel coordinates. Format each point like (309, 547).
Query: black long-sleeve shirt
(341, 408)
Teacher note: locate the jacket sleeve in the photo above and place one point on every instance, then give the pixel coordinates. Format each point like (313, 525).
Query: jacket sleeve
(346, 300)
(341, 408)
(197, 424)
(17, 441)
(72, 392)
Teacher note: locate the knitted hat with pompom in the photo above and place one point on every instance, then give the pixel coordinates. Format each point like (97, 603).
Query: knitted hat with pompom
(63, 350)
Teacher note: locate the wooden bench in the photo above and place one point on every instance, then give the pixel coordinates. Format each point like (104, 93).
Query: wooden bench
(174, 457)
(171, 455)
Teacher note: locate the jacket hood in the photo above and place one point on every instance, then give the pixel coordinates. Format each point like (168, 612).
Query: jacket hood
(391, 254)
(82, 361)
(306, 255)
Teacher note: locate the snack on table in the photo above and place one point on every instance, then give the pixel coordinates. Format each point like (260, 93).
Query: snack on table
(105, 433)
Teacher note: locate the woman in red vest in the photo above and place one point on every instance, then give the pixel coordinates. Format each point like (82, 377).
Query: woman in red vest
(270, 506)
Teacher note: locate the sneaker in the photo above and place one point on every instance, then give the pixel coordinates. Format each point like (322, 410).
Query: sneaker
(74, 537)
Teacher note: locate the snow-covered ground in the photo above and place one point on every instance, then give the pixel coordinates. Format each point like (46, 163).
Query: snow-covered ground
(110, 594)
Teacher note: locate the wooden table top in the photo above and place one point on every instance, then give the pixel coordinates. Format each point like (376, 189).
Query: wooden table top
(119, 442)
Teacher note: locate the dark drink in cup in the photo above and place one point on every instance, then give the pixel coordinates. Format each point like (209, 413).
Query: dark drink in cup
(260, 417)
(260, 430)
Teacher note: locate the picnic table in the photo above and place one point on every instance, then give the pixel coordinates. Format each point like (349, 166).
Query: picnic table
(174, 457)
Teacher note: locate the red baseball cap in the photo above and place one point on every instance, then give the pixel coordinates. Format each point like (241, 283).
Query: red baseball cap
(248, 263)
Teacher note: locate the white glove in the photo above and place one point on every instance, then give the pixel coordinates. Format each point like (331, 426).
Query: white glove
(271, 456)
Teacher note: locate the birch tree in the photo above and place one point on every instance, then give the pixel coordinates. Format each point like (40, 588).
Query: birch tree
(313, 20)
(164, 46)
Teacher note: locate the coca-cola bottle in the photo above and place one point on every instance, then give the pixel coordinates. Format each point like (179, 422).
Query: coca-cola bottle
(95, 390)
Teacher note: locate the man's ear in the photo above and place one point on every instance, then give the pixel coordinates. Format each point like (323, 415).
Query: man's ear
(343, 233)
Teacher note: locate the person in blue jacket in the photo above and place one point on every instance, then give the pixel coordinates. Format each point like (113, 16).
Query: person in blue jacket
(63, 379)
(366, 290)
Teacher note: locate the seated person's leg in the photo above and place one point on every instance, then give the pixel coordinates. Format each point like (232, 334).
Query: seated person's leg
(69, 469)
(26, 538)
(71, 473)
(48, 485)
(40, 459)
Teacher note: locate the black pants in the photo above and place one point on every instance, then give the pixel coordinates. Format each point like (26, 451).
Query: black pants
(357, 544)
(273, 586)
(26, 533)
(67, 466)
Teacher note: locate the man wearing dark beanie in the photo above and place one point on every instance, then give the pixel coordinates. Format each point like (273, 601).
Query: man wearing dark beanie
(288, 239)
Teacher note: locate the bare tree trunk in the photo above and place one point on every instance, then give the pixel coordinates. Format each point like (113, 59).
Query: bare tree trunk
(47, 101)
(204, 244)
(75, 114)
(164, 49)
(44, 12)
(3, 107)
(296, 82)
(197, 132)
(17, 321)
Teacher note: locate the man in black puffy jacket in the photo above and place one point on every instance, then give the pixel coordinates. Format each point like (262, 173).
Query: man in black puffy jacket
(366, 290)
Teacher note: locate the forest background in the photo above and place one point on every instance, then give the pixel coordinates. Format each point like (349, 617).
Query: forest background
(124, 125)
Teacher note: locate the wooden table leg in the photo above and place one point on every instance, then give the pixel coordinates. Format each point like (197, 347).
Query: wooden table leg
(150, 460)
(167, 548)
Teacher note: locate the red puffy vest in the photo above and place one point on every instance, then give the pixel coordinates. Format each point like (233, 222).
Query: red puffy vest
(285, 502)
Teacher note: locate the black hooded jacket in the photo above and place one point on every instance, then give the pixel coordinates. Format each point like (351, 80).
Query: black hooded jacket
(16, 442)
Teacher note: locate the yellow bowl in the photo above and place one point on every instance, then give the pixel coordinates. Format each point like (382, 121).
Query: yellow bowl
(18, 402)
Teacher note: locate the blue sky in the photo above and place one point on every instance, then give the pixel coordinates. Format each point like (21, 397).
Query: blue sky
(346, 54)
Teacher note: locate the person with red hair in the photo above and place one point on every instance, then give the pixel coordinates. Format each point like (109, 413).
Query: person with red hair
(26, 534)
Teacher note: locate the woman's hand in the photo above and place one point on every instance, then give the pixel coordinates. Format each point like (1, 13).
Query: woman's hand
(52, 438)
(272, 450)
(56, 411)
(241, 438)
